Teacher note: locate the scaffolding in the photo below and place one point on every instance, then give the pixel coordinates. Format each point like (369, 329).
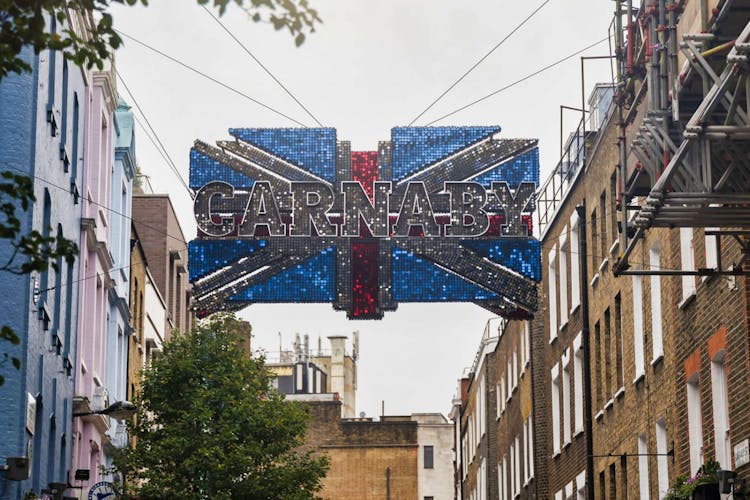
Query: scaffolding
(682, 102)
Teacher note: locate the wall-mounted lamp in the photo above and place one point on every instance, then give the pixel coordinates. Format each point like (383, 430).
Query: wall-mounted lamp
(119, 409)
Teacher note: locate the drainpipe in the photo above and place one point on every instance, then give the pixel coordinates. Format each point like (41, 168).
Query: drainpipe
(587, 417)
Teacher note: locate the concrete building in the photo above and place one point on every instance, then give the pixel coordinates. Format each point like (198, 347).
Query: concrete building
(434, 457)
(166, 251)
(319, 371)
(42, 115)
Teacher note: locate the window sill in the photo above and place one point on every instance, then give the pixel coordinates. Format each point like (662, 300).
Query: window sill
(553, 339)
(565, 445)
(658, 359)
(687, 301)
(574, 309)
(614, 247)
(620, 393)
(562, 326)
(609, 405)
(603, 265)
(594, 280)
(556, 454)
(578, 432)
(638, 378)
(599, 415)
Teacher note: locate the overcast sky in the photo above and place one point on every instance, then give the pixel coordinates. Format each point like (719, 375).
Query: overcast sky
(372, 65)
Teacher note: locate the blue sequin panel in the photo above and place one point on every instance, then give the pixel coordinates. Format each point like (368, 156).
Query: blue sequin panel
(313, 280)
(208, 256)
(313, 149)
(417, 147)
(522, 255)
(418, 280)
(522, 168)
(204, 170)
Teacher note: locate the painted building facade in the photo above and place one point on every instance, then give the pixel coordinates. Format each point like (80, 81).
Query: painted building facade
(42, 116)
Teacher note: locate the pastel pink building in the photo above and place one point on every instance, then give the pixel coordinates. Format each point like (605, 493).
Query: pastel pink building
(91, 392)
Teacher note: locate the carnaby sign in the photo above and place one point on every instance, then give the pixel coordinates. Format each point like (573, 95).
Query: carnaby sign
(313, 211)
(436, 214)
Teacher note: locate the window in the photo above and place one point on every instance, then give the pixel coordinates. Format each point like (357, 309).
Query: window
(613, 196)
(643, 467)
(712, 249)
(566, 398)
(594, 241)
(501, 479)
(46, 222)
(598, 368)
(501, 396)
(64, 120)
(514, 373)
(556, 408)
(528, 450)
(661, 457)
(638, 326)
(552, 276)
(607, 356)
(428, 457)
(624, 475)
(656, 316)
(575, 278)
(603, 224)
(563, 277)
(578, 384)
(687, 258)
(695, 423)
(481, 410)
(619, 358)
(526, 343)
(76, 120)
(581, 486)
(517, 468)
(721, 410)
(509, 378)
(612, 481)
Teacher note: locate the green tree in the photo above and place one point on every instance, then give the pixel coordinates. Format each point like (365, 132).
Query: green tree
(27, 23)
(209, 425)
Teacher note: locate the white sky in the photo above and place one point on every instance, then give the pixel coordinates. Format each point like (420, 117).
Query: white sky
(372, 65)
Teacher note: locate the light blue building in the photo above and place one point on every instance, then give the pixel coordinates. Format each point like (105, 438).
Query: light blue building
(118, 325)
(41, 136)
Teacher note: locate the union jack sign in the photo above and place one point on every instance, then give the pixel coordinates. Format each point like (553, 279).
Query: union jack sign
(436, 214)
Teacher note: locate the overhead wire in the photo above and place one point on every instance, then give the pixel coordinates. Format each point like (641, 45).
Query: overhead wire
(212, 79)
(171, 162)
(480, 61)
(527, 77)
(263, 66)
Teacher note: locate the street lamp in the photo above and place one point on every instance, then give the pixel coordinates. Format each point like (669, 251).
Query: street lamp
(119, 410)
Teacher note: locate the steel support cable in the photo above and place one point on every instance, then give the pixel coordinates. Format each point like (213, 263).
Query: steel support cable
(212, 79)
(480, 61)
(527, 77)
(263, 66)
(171, 162)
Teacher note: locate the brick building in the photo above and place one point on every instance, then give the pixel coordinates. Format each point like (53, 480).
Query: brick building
(644, 352)
(164, 245)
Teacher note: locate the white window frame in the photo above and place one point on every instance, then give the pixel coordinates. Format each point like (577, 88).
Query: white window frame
(563, 277)
(552, 277)
(712, 249)
(578, 384)
(501, 479)
(517, 469)
(657, 330)
(527, 343)
(662, 466)
(638, 348)
(720, 399)
(695, 422)
(566, 422)
(687, 260)
(575, 268)
(556, 408)
(581, 486)
(643, 482)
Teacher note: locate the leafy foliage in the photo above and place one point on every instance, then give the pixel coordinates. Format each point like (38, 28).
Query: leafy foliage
(209, 425)
(684, 485)
(29, 22)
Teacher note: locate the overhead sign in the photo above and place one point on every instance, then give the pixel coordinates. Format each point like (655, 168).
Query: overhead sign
(437, 214)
